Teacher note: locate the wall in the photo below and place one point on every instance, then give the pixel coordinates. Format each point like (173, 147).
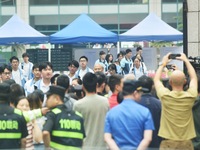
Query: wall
(193, 27)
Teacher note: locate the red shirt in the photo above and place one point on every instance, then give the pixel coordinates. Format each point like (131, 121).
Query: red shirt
(113, 100)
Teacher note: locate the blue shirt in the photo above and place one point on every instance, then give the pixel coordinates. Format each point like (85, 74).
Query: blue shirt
(127, 122)
(126, 65)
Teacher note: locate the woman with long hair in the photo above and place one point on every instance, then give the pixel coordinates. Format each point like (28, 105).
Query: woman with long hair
(109, 59)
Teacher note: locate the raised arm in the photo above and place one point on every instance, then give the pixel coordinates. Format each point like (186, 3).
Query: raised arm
(157, 81)
(191, 71)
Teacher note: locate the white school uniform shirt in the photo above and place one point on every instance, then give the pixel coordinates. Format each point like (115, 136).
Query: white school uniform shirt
(16, 76)
(27, 67)
(71, 78)
(80, 72)
(138, 72)
(29, 86)
(44, 88)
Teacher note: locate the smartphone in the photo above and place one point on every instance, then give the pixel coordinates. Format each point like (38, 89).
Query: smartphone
(169, 67)
(173, 56)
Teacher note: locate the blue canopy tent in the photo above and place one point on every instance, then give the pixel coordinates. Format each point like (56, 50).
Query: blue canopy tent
(152, 28)
(83, 29)
(16, 31)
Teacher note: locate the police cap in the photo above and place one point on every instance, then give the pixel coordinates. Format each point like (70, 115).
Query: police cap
(58, 90)
(132, 85)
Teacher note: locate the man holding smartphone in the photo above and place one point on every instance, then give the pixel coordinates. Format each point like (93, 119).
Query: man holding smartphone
(177, 125)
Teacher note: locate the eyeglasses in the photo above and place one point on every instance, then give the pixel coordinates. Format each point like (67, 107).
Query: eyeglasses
(6, 73)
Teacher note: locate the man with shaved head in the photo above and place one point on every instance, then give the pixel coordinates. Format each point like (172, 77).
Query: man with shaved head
(177, 125)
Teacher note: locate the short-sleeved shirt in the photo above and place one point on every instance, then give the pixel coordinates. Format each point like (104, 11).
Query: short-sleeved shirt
(196, 116)
(127, 122)
(126, 65)
(13, 127)
(176, 117)
(154, 106)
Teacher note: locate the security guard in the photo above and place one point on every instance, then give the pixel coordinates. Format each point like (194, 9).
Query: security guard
(64, 129)
(13, 130)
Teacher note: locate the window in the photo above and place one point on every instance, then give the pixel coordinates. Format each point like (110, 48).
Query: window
(133, 1)
(172, 1)
(103, 1)
(7, 2)
(74, 2)
(43, 2)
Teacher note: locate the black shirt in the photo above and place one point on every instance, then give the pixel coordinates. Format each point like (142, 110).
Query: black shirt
(154, 105)
(12, 127)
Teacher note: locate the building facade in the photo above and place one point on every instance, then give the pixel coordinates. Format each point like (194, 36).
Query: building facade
(49, 16)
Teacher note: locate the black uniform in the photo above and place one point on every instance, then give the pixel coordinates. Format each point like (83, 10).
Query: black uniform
(12, 127)
(66, 128)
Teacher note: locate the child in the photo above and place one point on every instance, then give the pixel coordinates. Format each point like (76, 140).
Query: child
(34, 133)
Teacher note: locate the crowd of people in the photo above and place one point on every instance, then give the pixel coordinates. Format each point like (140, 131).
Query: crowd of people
(114, 105)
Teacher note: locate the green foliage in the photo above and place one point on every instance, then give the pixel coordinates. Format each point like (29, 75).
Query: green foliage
(136, 45)
(161, 44)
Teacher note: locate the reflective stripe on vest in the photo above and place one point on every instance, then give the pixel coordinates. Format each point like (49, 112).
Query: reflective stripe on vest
(17, 111)
(62, 147)
(10, 135)
(56, 111)
(79, 114)
(67, 134)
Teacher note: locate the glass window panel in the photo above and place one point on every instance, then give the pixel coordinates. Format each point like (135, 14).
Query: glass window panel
(172, 1)
(74, 2)
(103, 1)
(8, 2)
(43, 2)
(133, 1)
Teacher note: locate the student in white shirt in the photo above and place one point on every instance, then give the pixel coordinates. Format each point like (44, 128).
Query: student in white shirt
(73, 67)
(29, 86)
(126, 62)
(138, 68)
(46, 69)
(83, 69)
(26, 66)
(17, 74)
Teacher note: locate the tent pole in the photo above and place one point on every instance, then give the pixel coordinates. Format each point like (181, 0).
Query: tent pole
(185, 32)
(49, 54)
